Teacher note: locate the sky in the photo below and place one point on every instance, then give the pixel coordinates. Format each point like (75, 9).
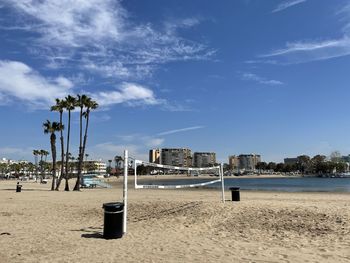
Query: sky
(269, 77)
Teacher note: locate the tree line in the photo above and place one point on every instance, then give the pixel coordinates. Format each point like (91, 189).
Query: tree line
(85, 105)
(41, 169)
(319, 164)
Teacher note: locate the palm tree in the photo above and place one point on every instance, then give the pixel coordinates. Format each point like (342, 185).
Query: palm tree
(70, 103)
(59, 107)
(52, 128)
(36, 153)
(109, 168)
(90, 105)
(42, 153)
(81, 102)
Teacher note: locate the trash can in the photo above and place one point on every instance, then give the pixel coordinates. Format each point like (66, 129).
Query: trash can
(235, 193)
(18, 188)
(113, 220)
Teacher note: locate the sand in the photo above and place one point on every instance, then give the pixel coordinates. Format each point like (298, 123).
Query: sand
(38, 225)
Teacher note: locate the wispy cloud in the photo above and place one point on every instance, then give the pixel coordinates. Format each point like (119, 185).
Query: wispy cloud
(303, 51)
(137, 143)
(138, 146)
(300, 52)
(100, 36)
(260, 80)
(108, 150)
(149, 141)
(286, 4)
(180, 130)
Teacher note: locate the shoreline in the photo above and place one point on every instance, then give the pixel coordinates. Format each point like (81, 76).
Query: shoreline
(117, 183)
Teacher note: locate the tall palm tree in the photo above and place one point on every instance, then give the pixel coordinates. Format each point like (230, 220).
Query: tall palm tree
(36, 154)
(51, 128)
(41, 163)
(70, 103)
(89, 105)
(81, 102)
(59, 107)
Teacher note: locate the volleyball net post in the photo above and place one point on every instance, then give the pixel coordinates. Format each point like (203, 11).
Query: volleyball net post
(125, 190)
(222, 182)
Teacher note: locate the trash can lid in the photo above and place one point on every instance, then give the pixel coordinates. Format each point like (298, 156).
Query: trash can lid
(234, 188)
(113, 206)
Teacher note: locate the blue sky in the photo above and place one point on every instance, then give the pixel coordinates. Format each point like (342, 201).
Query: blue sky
(245, 76)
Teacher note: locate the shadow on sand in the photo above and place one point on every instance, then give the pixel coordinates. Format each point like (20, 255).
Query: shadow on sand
(93, 235)
(25, 190)
(91, 232)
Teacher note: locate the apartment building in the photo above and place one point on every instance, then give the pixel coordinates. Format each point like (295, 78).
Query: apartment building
(245, 162)
(204, 159)
(176, 157)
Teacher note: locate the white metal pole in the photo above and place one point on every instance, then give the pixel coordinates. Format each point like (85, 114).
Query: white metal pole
(135, 173)
(222, 182)
(125, 189)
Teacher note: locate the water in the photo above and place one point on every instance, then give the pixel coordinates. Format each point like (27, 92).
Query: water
(288, 184)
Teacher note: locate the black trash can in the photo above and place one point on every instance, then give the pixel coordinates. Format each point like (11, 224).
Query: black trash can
(235, 193)
(18, 188)
(113, 220)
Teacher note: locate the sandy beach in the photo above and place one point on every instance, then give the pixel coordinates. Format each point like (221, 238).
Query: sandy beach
(38, 225)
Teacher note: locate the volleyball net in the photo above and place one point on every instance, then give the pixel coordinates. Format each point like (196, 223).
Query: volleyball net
(149, 175)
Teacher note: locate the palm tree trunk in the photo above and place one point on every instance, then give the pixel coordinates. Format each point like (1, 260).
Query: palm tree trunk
(53, 152)
(80, 161)
(85, 137)
(66, 188)
(36, 167)
(62, 156)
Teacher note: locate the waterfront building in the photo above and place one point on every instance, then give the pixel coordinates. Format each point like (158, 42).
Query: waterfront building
(176, 157)
(7, 161)
(246, 162)
(89, 166)
(95, 166)
(204, 159)
(233, 162)
(155, 156)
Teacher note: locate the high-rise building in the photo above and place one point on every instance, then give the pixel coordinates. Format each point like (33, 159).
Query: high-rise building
(204, 159)
(176, 157)
(245, 162)
(155, 156)
(233, 161)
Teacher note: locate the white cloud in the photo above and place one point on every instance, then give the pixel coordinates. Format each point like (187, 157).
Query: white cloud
(73, 23)
(99, 36)
(17, 80)
(314, 50)
(286, 4)
(132, 93)
(261, 80)
(180, 130)
(299, 52)
(154, 142)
